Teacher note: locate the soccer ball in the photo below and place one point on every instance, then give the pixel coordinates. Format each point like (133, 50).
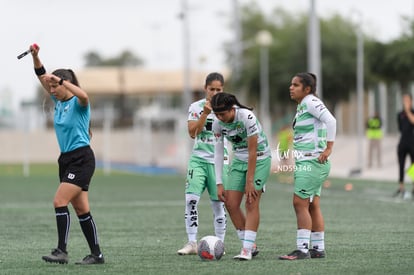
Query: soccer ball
(210, 248)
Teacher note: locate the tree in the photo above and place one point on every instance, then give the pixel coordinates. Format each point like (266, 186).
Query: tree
(125, 59)
(395, 61)
(288, 56)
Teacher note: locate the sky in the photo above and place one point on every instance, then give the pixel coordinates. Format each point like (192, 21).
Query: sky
(151, 29)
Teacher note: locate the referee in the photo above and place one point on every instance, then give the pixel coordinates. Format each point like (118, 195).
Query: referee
(72, 115)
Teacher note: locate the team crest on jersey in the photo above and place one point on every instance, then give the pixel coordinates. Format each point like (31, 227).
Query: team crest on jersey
(300, 109)
(239, 128)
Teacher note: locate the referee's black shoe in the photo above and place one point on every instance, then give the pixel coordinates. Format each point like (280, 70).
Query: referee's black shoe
(399, 192)
(57, 256)
(92, 259)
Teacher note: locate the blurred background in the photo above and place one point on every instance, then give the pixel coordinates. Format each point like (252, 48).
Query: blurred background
(143, 62)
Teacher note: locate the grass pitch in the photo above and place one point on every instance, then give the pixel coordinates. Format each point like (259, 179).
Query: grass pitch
(140, 220)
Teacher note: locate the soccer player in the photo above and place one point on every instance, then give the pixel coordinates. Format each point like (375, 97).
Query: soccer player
(76, 161)
(200, 170)
(249, 169)
(314, 134)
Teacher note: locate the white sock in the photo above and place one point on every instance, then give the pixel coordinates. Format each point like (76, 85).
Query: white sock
(219, 219)
(318, 240)
(303, 239)
(240, 234)
(249, 239)
(191, 216)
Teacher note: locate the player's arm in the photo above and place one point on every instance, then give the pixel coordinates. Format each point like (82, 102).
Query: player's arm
(250, 190)
(330, 123)
(76, 91)
(38, 66)
(196, 126)
(407, 110)
(219, 160)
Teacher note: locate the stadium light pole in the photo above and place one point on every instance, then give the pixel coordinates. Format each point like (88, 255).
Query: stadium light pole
(186, 54)
(264, 39)
(187, 96)
(26, 139)
(360, 93)
(314, 46)
(107, 129)
(237, 63)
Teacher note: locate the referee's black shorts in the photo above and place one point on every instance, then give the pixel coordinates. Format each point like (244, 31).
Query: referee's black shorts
(77, 167)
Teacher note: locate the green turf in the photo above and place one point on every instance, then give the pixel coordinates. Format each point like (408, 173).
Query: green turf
(140, 223)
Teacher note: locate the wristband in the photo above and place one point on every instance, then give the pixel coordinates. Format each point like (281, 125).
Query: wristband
(40, 71)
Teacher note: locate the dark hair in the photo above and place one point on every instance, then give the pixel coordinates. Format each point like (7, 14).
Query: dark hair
(224, 101)
(214, 76)
(308, 80)
(409, 95)
(67, 74)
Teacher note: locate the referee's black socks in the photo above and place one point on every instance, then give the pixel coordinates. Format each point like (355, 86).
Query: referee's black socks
(63, 225)
(89, 230)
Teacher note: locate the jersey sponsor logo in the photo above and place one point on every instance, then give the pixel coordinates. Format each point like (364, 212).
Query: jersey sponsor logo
(236, 139)
(297, 138)
(253, 128)
(206, 140)
(321, 107)
(193, 215)
(209, 125)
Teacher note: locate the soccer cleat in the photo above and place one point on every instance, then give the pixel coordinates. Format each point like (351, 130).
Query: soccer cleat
(315, 254)
(57, 256)
(189, 249)
(399, 192)
(255, 250)
(296, 255)
(245, 255)
(92, 259)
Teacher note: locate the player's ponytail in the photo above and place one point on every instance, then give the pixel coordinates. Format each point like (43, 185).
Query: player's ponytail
(221, 102)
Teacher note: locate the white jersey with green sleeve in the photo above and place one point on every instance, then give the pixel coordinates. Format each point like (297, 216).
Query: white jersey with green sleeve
(245, 125)
(204, 142)
(310, 130)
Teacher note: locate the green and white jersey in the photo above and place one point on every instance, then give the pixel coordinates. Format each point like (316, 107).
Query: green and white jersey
(245, 125)
(310, 130)
(204, 142)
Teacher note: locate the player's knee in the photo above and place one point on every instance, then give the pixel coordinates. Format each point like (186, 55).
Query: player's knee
(231, 206)
(59, 202)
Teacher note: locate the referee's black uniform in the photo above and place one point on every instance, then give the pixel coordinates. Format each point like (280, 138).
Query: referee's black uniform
(406, 143)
